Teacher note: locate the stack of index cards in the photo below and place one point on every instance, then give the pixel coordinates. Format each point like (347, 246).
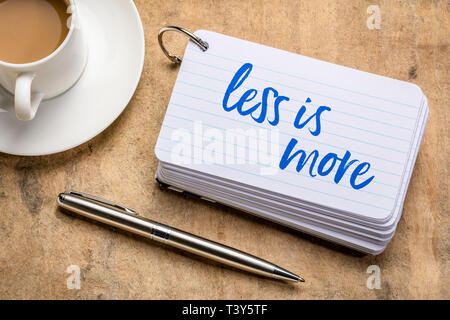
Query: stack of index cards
(318, 147)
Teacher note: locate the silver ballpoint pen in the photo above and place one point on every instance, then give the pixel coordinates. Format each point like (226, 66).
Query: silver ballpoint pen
(123, 218)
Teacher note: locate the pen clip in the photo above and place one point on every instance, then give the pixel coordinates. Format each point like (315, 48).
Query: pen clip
(102, 201)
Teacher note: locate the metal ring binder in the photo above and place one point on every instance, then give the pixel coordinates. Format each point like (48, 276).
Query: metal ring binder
(175, 59)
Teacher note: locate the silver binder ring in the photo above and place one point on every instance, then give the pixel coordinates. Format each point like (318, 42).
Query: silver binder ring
(175, 59)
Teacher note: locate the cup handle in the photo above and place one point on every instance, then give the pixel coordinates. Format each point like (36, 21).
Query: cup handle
(26, 103)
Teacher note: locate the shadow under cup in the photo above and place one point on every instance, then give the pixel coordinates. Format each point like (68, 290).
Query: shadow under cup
(42, 52)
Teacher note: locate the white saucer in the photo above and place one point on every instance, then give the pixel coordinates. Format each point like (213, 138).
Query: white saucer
(113, 30)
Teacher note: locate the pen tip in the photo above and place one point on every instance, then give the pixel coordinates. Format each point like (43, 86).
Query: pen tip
(61, 197)
(287, 275)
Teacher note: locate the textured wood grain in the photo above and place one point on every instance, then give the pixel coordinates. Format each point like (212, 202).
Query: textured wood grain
(38, 243)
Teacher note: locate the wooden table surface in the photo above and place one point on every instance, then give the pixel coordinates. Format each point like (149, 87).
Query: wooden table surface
(39, 243)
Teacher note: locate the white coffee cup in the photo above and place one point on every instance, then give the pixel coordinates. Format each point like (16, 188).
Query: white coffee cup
(30, 83)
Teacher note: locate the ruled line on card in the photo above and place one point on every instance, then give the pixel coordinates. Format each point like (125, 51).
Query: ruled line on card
(307, 115)
(220, 128)
(290, 135)
(323, 130)
(297, 89)
(313, 81)
(288, 183)
(337, 111)
(288, 170)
